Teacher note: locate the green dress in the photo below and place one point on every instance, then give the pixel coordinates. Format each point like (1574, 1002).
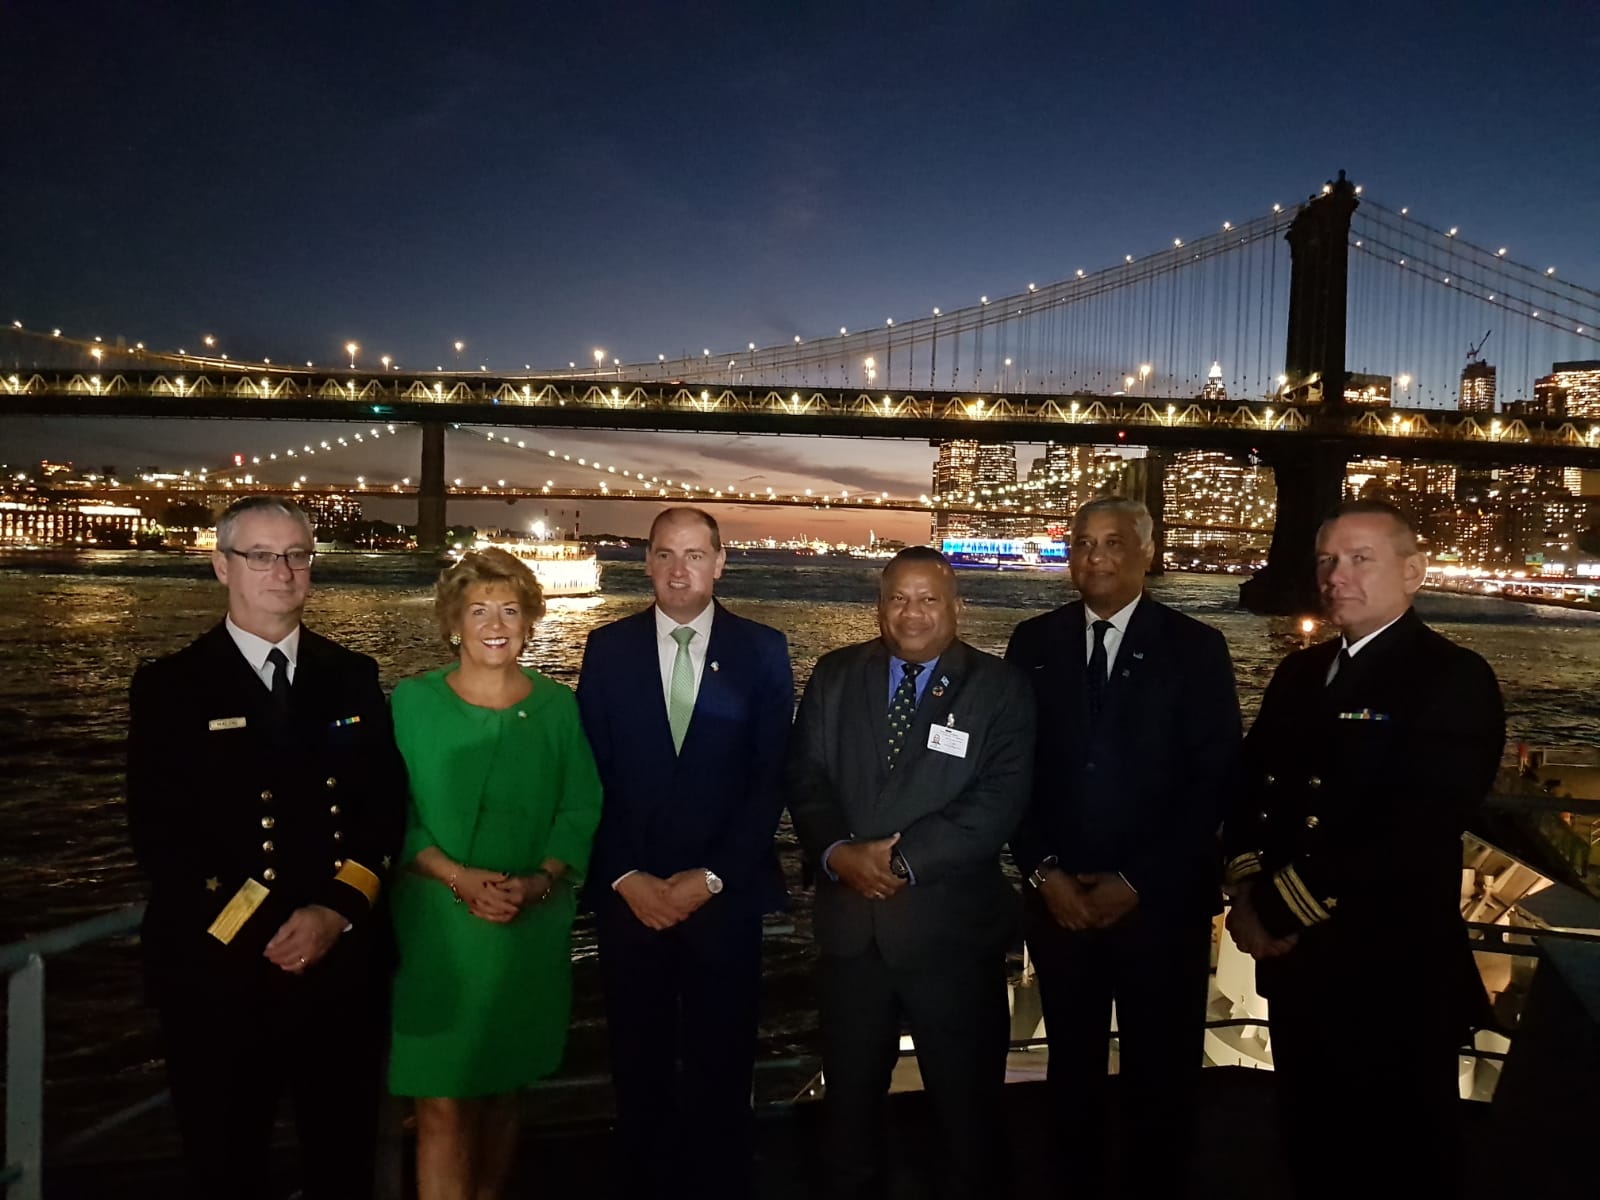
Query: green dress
(482, 1009)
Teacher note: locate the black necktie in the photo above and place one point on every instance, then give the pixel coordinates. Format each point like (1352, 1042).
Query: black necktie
(1340, 664)
(1095, 680)
(902, 708)
(280, 678)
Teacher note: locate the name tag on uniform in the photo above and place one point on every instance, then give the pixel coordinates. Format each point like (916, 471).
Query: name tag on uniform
(227, 723)
(948, 740)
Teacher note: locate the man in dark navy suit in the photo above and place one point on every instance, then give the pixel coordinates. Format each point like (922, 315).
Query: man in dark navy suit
(687, 708)
(1344, 861)
(1138, 731)
(266, 800)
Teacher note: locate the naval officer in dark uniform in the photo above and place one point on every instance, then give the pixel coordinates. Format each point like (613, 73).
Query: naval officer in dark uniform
(1369, 754)
(266, 800)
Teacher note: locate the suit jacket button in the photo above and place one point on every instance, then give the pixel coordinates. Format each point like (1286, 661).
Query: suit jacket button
(1314, 782)
(265, 795)
(332, 782)
(1312, 822)
(269, 874)
(267, 822)
(267, 847)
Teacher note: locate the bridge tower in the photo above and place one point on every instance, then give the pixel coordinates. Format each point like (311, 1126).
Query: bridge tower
(430, 489)
(1310, 472)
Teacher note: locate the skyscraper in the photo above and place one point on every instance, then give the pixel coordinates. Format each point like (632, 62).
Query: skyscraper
(1477, 387)
(1577, 382)
(955, 473)
(1214, 389)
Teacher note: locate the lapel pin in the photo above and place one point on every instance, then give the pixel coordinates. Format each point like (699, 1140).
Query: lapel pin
(950, 720)
(1138, 657)
(714, 667)
(1125, 672)
(938, 689)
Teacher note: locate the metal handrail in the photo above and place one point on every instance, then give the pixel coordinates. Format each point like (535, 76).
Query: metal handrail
(24, 962)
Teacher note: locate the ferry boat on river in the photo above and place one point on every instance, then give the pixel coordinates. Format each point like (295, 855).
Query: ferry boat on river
(563, 569)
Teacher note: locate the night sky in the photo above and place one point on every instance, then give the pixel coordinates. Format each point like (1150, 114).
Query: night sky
(541, 180)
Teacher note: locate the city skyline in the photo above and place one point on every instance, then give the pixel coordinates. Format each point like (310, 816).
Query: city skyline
(326, 193)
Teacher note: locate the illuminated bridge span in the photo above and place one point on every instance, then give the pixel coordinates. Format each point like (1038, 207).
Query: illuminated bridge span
(1307, 335)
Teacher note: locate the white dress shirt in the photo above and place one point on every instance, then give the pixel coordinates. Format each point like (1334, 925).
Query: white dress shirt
(255, 650)
(1119, 627)
(1352, 649)
(667, 648)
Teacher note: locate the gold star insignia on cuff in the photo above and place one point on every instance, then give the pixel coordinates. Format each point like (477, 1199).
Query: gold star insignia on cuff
(213, 884)
(386, 861)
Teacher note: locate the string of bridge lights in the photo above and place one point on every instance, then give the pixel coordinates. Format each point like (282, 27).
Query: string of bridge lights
(97, 349)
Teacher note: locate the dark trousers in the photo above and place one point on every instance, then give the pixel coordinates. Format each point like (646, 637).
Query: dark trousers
(957, 1011)
(1156, 969)
(681, 1013)
(233, 1050)
(1364, 1108)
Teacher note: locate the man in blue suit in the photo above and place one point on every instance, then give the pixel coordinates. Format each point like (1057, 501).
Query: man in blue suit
(1139, 730)
(687, 708)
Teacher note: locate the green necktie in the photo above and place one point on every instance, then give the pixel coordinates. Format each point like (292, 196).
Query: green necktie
(680, 692)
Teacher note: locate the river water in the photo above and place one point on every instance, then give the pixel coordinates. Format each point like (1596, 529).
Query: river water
(73, 629)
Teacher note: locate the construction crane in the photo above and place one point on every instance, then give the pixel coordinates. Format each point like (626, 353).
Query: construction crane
(1475, 352)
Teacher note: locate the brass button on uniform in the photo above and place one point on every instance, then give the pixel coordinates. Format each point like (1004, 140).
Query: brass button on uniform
(269, 874)
(337, 863)
(267, 822)
(1312, 822)
(1261, 816)
(1270, 780)
(1314, 782)
(265, 795)
(333, 810)
(332, 782)
(337, 836)
(267, 847)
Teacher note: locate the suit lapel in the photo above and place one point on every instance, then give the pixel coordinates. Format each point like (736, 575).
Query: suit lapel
(940, 704)
(644, 668)
(710, 695)
(1138, 643)
(241, 685)
(872, 701)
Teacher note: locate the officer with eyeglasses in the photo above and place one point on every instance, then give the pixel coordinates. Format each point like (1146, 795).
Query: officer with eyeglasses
(266, 801)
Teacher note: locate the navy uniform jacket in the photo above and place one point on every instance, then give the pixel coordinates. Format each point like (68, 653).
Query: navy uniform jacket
(716, 803)
(1350, 813)
(953, 814)
(222, 789)
(1143, 789)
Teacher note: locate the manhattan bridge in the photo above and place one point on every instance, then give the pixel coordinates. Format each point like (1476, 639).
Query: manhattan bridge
(1302, 338)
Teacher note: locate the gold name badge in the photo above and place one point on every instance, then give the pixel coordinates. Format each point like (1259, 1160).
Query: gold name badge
(238, 910)
(227, 723)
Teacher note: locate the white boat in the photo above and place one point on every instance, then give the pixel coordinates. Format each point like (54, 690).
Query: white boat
(563, 569)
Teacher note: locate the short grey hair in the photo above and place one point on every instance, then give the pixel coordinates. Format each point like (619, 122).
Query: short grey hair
(1122, 506)
(229, 521)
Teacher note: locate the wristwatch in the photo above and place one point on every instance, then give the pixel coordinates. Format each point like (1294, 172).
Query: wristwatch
(898, 867)
(1036, 880)
(713, 882)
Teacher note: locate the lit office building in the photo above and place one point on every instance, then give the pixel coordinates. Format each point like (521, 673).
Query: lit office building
(955, 473)
(71, 523)
(1477, 387)
(1216, 500)
(1214, 389)
(1373, 391)
(1575, 385)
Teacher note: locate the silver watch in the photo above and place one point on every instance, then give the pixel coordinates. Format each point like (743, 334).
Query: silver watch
(713, 882)
(1036, 880)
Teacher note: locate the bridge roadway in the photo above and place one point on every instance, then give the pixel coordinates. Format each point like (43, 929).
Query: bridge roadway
(260, 393)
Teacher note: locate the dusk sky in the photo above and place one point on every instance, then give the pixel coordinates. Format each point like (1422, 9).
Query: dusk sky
(541, 180)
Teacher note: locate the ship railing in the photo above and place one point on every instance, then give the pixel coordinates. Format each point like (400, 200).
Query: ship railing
(23, 963)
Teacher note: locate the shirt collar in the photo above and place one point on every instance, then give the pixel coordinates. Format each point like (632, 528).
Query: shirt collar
(255, 649)
(896, 662)
(1119, 619)
(1354, 648)
(701, 624)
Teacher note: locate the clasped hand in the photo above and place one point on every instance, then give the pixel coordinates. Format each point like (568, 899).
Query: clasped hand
(662, 903)
(864, 867)
(307, 935)
(1250, 935)
(1095, 900)
(497, 897)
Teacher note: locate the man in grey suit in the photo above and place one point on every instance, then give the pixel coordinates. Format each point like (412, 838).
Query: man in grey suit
(909, 768)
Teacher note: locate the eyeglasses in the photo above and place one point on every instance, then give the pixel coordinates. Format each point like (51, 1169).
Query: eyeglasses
(263, 560)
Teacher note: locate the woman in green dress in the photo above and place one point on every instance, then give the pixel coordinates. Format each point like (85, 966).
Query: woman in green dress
(504, 804)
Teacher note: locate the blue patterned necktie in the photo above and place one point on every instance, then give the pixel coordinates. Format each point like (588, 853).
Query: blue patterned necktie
(902, 708)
